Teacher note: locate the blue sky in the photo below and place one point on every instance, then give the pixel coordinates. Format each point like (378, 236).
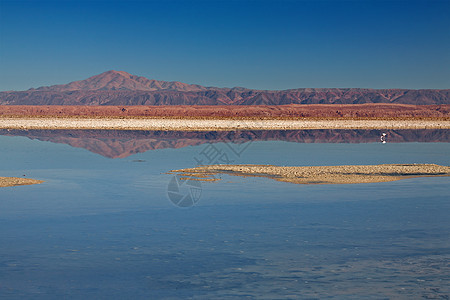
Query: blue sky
(255, 44)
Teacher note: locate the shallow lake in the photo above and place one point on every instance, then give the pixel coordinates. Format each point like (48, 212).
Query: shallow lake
(107, 222)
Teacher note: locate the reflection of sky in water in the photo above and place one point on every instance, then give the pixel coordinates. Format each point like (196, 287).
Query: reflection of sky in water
(105, 228)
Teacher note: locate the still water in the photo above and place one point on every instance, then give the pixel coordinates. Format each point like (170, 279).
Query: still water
(104, 224)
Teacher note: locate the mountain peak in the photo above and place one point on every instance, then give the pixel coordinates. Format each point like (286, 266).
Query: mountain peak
(121, 81)
(115, 73)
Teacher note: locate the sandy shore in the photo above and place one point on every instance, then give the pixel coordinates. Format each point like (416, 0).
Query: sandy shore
(318, 174)
(15, 181)
(213, 125)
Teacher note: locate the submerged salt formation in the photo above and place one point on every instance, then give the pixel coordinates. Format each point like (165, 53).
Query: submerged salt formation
(319, 174)
(15, 181)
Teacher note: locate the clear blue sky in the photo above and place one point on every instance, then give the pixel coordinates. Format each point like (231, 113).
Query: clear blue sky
(255, 44)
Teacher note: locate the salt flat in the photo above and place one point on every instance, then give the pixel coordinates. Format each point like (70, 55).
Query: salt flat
(213, 125)
(347, 174)
(15, 181)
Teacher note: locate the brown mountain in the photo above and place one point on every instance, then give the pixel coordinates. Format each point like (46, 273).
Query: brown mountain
(122, 88)
(120, 81)
(121, 144)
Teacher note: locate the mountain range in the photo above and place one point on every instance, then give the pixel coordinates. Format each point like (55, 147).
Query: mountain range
(121, 88)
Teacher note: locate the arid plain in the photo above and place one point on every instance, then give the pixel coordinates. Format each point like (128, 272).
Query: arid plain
(257, 117)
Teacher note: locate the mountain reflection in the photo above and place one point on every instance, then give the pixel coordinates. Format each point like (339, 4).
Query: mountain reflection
(120, 144)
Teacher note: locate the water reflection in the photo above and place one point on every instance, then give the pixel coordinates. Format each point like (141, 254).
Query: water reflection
(120, 144)
(104, 229)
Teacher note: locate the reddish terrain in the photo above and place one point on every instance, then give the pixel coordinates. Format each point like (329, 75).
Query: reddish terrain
(122, 88)
(329, 111)
(123, 81)
(120, 144)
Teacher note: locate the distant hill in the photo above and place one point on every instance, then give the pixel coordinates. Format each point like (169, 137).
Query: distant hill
(122, 88)
(120, 81)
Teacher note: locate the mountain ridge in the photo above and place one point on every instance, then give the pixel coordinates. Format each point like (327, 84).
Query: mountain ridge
(121, 88)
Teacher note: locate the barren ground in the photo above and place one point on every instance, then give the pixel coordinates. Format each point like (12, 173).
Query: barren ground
(318, 111)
